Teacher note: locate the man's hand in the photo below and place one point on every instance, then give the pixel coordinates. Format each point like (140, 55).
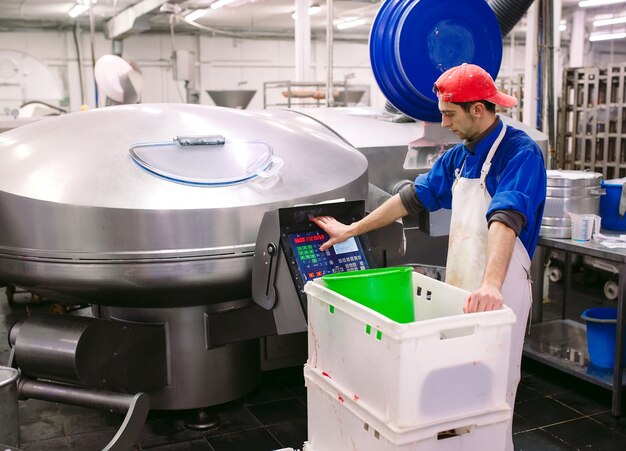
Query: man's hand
(484, 299)
(391, 210)
(337, 231)
(500, 243)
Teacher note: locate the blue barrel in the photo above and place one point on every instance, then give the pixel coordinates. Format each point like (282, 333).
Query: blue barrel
(412, 42)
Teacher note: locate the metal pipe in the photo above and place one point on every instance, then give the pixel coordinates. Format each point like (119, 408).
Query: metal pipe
(329, 45)
(509, 12)
(537, 269)
(531, 84)
(547, 76)
(92, 39)
(76, 396)
(302, 40)
(135, 406)
(117, 47)
(79, 62)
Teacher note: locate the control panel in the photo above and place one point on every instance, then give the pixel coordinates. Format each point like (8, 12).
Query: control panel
(287, 256)
(300, 241)
(312, 263)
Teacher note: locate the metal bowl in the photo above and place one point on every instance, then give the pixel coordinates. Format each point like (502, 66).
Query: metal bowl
(232, 98)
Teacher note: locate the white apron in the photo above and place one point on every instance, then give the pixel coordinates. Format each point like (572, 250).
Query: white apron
(467, 257)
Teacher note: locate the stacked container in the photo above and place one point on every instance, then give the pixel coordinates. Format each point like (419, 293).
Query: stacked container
(434, 384)
(575, 192)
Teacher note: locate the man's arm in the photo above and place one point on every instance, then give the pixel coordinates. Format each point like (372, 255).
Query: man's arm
(391, 210)
(500, 244)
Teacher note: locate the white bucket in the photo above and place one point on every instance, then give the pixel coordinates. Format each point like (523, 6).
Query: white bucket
(584, 226)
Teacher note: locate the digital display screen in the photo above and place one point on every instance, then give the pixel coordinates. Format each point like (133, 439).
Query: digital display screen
(347, 246)
(312, 263)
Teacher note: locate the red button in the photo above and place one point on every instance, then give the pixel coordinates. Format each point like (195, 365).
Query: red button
(311, 275)
(318, 274)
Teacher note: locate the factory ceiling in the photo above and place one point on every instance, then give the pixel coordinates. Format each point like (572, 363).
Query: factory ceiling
(248, 16)
(251, 18)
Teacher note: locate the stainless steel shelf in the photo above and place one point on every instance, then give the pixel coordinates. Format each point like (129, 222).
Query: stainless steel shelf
(313, 94)
(562, 344)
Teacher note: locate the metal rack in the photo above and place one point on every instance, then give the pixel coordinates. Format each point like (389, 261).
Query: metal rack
(562, 343)
(592, 120)
(514, 86)
(295, 94)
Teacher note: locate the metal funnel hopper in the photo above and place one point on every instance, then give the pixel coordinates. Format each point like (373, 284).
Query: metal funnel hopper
(232, 98)
(349, 96)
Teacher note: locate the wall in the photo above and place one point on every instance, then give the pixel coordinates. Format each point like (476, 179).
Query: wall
(222, 63)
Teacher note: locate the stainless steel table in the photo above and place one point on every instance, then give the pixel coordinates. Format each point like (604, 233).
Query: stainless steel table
(562, 343)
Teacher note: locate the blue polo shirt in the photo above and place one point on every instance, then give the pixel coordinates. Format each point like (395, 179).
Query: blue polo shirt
(516, 180)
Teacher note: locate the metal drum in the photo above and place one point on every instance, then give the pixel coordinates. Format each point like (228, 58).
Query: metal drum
(569, 192)
(82, 221)
(105, 207)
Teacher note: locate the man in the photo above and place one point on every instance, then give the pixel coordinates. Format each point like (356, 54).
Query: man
(495, 184)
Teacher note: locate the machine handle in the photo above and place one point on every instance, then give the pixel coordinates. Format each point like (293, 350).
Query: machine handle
(597, 191)
(209, 140)
(270, 291)
(272, 168)
(264, 169)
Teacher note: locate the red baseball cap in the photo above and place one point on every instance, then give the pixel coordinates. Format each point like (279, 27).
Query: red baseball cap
(470, 83)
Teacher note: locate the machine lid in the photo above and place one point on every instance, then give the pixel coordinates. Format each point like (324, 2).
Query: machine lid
(83, 159)
(206, 160)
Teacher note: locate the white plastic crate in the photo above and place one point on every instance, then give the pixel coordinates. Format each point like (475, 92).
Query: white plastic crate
(445, 364)
(338, 422)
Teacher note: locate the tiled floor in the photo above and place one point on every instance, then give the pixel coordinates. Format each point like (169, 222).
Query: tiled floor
(554, 411)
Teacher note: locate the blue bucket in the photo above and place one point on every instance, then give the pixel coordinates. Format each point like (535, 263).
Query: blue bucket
(601, 331)
(609, 205)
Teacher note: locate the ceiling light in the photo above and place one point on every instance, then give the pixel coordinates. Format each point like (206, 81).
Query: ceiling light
(313, 9)
(80, 7)
(220, 3)
(352, 22)
(194, 15)
(563, 25)
(590, 3)
(611, 21)
(607, 36)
